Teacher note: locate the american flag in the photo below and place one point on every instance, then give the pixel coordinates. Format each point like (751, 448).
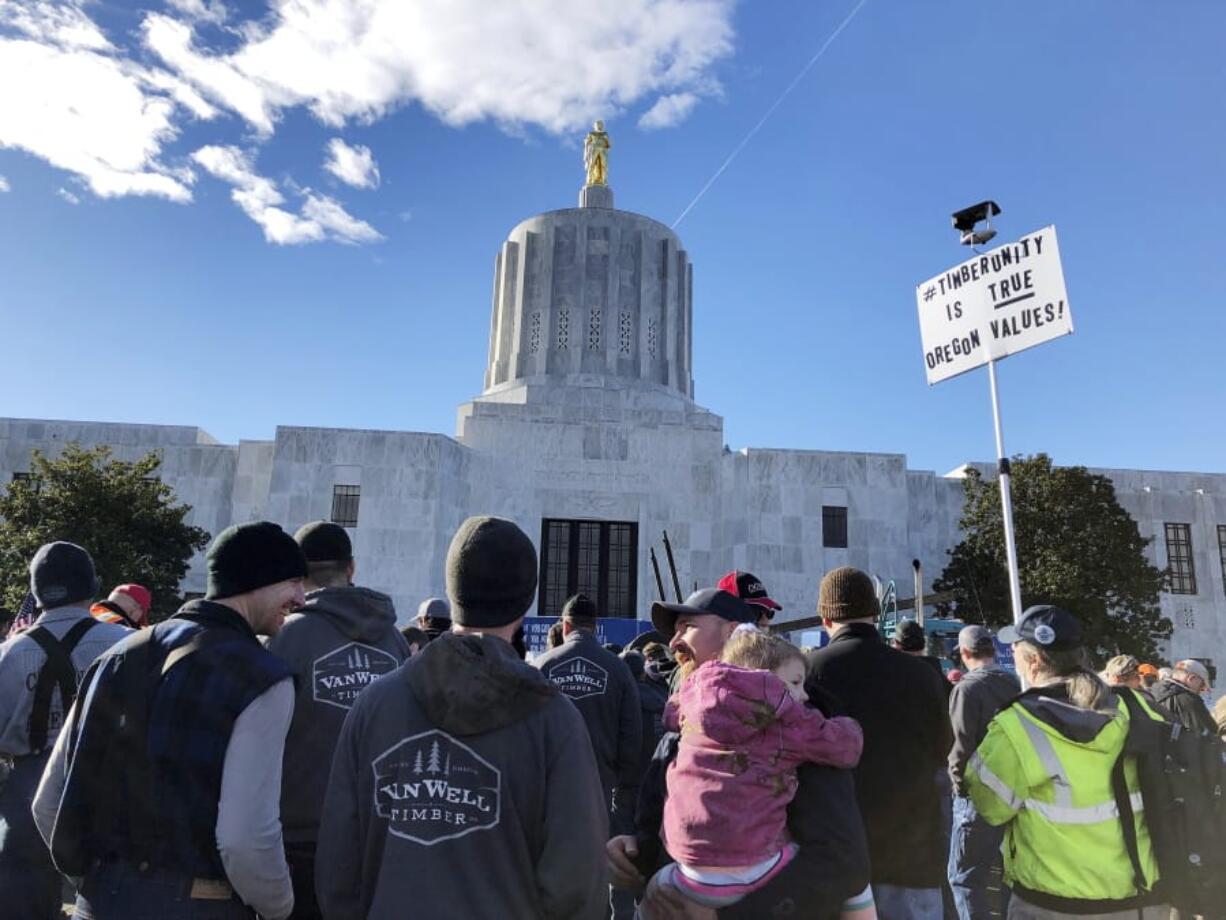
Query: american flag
(27, 613)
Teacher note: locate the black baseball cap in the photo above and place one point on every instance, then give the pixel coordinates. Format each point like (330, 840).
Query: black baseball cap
(708, 601)
(910, 636)
(749, 588)
(1046, 626)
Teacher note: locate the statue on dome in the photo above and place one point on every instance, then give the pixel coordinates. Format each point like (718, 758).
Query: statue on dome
(596, 155)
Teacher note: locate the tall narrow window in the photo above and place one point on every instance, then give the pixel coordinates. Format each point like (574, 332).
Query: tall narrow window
(597, 558)
(834, 526)
(345, 505)
(1179, 558)
(30, 479)
(1221, 550)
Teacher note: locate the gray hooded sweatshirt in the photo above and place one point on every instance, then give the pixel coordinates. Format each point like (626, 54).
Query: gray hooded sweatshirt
(973, 703)
(464, 785)
(338, 644)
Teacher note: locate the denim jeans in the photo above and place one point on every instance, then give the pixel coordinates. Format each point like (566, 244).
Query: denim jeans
(897, 903)
(119, 891)
(29, 882)
(974, 848)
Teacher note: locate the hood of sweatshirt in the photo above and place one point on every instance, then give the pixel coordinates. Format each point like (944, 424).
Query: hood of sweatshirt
(730, 705)
(1050, 706)
(472, 684)
(361, 614)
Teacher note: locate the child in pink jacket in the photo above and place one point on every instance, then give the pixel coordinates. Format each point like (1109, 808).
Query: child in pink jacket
(744, 730)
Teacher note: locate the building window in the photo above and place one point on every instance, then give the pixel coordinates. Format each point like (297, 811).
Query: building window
(345, 505)
(1221, 550)
(834, 526)
(1179, 559)
(596, 558)
(30, 479)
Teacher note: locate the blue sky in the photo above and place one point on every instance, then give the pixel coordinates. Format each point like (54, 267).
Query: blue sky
(135, 287)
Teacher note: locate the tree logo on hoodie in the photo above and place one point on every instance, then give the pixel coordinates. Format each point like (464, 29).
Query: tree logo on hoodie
(339, 676)
(431, 788)
(579, 678)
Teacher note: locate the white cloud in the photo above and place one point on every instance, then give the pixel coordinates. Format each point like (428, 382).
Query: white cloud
(668, 111)
(4, 184)
(107, 106)
(213, 11)
(552, 63)
(67, 195)
(321, 217)
(89, 114)
(352, 165)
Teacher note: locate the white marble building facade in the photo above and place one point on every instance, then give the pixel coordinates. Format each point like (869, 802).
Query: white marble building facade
(588, 416)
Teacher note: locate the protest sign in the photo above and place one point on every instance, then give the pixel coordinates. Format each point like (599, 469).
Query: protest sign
(1000, 302)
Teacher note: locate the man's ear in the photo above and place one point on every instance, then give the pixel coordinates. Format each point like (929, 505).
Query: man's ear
(349, 570)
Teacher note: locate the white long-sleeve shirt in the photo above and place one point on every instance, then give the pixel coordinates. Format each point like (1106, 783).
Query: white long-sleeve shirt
(249, 812)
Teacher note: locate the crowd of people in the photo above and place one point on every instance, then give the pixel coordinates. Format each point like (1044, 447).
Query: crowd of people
(281, 748)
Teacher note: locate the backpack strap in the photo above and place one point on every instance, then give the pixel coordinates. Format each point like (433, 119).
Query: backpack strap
(1123, 801)
(58, 670)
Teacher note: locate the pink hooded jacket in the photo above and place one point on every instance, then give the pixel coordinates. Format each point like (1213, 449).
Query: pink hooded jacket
(742, 738)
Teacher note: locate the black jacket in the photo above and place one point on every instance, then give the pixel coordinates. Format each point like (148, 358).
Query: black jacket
(823, 819)
(1187, 708)
(600, 686)
(900, 703)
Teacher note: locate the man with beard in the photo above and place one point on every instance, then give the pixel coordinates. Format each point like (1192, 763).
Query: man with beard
(831, 865)
(162, 788)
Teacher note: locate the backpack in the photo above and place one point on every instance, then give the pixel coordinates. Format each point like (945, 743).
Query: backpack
(1182, 777)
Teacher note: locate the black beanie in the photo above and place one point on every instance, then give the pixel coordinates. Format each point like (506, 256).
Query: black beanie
(62, 574)
(580, 607)
(323, 541)
(249, 556)
(491, 573)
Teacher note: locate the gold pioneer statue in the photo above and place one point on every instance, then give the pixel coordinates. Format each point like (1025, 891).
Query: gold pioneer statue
(596, 155)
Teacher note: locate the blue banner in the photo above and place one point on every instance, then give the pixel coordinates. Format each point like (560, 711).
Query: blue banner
(608, 629)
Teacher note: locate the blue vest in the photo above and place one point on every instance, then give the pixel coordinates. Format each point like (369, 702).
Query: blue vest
(158, 802)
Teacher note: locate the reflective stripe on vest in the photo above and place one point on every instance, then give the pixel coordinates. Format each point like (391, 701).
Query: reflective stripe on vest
(1062, 811)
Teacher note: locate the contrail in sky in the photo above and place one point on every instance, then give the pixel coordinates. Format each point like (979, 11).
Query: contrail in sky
(769, 112)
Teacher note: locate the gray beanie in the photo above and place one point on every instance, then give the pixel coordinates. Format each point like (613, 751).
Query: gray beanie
(491, 573)
(61, 574)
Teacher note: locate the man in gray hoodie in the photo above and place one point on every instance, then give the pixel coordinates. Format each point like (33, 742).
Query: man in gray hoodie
(341, 640)
(464, 784)
(974, 847)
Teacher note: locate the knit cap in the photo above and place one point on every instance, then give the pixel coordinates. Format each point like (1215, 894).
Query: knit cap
(491, 573)
(250, 556)
(323, 541)
(61, 574)
(846, 593)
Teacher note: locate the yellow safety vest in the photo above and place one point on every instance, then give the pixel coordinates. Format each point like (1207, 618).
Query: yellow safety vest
(1044, 771)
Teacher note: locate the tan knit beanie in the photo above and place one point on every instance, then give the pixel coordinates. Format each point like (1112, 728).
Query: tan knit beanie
(847, 594)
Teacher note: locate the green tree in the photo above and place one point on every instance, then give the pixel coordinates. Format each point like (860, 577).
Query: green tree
(1077, 548)
(121, 512)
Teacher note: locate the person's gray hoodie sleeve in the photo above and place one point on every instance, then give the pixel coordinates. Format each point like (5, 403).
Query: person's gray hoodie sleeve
(570, 874)
(46, 805)
(249, 810)
(969, 721)
(338, 858)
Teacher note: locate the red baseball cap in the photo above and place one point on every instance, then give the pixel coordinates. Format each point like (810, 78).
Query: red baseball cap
(138, 593)
(749, 588)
